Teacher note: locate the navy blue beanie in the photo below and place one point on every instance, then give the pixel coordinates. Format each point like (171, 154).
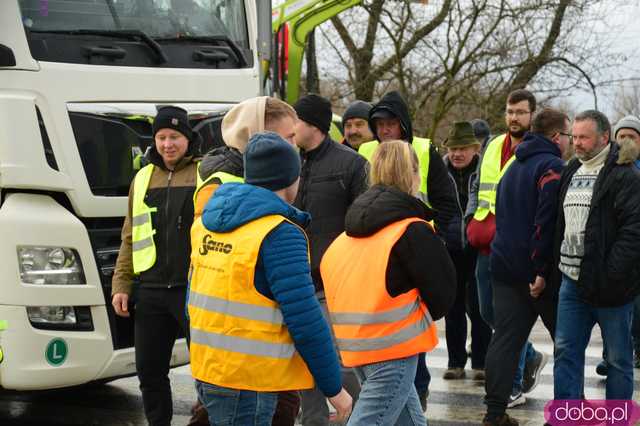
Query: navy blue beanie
(270, 162)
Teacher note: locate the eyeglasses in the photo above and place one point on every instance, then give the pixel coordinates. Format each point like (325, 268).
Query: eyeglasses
(569, 135)
(517, 113)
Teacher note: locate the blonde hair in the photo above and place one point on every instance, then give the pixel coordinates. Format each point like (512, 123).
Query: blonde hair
(394, 164)
(276, 109)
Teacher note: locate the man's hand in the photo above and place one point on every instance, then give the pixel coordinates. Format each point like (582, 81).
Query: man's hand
(343, 403)
(537, 287)
(120, 303)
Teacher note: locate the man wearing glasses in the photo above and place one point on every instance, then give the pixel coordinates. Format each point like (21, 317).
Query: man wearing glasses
(522, 253)
(496, 159)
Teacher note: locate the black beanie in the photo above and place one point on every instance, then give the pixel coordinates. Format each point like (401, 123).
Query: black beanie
(314, 110)
(172, 117)
(357, 109)
(270, 162)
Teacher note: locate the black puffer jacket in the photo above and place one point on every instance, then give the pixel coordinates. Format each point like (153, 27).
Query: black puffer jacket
(332, 177)
(440, 188)
(224, 159)
(419, 259)
(454, 234)
(610, 268)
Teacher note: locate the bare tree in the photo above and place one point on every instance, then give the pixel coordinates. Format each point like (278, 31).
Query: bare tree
(627, 100)
(454, 60)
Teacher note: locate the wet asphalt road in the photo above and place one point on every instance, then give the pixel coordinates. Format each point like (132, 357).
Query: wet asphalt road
(119, 403)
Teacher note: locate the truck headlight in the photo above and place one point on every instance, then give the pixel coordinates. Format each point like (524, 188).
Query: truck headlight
(51, 314)
(50, 265)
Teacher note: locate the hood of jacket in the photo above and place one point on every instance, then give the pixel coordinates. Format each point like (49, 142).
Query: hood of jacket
(536, 144)
(225, 159)
(381, 206)
(236, 204)
(243, 121)
(392, 102)
(628, 151)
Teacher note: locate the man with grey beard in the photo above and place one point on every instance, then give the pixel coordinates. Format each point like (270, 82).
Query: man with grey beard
(597, 249)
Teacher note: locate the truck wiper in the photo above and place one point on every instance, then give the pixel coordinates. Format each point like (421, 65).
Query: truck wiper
(242, 61)
(126, 34)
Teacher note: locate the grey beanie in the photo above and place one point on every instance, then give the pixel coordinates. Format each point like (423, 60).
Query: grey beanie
(481, 128)
(628, 122)
(270, 162)
(357, 109)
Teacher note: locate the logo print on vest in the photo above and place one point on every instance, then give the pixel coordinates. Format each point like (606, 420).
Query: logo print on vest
(209, 244)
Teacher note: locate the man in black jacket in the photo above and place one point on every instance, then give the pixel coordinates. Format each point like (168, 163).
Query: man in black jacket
(597, 247)
(389, 119)
(332, 177)
(462, 161)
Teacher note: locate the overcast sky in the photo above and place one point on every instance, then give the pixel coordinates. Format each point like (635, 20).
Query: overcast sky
(622, 23)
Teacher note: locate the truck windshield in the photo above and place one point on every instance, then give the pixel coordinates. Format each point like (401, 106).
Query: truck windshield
(156, 18)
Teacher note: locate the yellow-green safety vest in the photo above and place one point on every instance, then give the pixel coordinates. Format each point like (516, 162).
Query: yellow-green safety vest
(421, 147)
(223, 177)
(142, 245)
(490, 175)
(239, 338)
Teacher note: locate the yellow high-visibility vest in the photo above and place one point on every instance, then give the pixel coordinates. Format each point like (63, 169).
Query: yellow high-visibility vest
(205, 190)
(142, 245)
(238, 336)
(490, 175)
(420, 145)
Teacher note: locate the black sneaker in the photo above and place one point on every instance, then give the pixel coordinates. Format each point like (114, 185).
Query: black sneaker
(504, 420)
(532, 370)
(602, 369)
(515, 399)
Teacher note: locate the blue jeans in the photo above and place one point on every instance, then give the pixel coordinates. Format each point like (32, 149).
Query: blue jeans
(573, 332)
(485, 300)
(388, 395)
(233, 407)
(485, 291)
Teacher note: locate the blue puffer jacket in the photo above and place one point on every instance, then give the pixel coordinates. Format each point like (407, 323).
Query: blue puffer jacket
(282, 272)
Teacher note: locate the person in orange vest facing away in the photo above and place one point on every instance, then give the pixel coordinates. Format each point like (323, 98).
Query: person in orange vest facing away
(387, 279)
(256, 326)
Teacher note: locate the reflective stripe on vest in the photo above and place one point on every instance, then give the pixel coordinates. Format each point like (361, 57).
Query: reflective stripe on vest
(237, 334)
(420, 145)
(490, 175)
(142, 245)
(369, 325)
(205, 189)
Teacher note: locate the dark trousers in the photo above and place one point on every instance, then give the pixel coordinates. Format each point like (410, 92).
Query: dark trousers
(286, 409)
(635, 326)
(423, 377)
(159, 315)
(515, 315)
(466, 303)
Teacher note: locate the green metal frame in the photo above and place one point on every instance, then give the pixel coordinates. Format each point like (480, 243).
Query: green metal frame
(303, 16)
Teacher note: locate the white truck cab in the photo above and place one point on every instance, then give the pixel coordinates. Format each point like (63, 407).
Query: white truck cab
(80, 81)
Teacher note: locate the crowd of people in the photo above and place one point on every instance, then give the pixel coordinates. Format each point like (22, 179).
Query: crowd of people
(303, 269)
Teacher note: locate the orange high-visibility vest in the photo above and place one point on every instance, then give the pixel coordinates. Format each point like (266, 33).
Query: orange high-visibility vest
(370, 325)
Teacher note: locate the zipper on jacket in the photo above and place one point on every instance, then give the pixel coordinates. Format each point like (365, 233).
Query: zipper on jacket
(166, 211)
